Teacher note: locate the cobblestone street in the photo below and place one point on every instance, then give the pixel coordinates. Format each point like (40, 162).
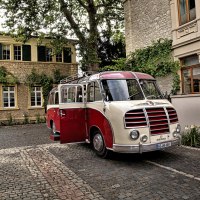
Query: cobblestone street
(34, 167)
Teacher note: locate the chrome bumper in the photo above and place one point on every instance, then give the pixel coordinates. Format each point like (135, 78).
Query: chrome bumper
(140, 148)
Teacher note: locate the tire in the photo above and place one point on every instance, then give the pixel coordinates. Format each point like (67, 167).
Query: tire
(99, 145)
(53, 129)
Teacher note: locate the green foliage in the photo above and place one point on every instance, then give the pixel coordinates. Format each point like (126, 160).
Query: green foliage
(85, 20)
(176, 84)
(7, 77)
(26, 118)
(35, 79)
(111, 48)
(10, 119)
(118, 65)
(155, 60)
(57, 76)
(39, 119)
(191, 137)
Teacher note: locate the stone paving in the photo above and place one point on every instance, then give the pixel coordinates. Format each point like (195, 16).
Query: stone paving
(34, 173)
(53, 171)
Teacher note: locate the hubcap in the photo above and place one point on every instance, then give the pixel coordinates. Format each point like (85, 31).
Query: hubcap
(54, 128)
(98, 142)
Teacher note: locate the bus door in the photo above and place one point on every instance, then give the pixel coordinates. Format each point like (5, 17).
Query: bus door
(72, 113)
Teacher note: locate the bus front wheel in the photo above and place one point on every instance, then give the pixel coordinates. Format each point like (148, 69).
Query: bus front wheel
(99, 145)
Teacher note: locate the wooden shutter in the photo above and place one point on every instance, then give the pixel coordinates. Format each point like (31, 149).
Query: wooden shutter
(67, 55)
(26, 50)
(41, 53)
(1, 52)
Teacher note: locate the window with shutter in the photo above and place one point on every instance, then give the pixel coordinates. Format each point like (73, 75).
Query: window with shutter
(0, 51)
(26, 52)
(42, 53)
(67, 55)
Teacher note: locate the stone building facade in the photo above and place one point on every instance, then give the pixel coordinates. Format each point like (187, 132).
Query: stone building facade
(19, 102)
(146, 21)
(179, 20)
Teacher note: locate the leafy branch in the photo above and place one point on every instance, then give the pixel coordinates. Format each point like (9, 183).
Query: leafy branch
(7, 77)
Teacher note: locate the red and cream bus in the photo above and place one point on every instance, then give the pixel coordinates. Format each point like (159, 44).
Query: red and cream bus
(114, 111)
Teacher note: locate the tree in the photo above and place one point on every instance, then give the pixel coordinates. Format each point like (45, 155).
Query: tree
(111, 47)
(86, 19)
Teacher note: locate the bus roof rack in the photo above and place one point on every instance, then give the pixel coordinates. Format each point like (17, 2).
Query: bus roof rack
(76, 77)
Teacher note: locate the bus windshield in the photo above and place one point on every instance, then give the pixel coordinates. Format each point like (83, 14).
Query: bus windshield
(150, 89)
(129, 89)
(122, 90)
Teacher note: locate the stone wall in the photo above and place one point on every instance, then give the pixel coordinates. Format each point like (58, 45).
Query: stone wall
(22, 69)
(146, 21)
(165, 83)
(22, 108)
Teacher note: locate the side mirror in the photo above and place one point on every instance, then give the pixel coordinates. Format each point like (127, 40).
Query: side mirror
(167, 96)
(104, 96)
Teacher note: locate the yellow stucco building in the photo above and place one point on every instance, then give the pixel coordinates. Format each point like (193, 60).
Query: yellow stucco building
(18, 101)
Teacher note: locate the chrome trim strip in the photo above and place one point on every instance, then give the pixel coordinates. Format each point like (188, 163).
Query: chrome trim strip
(168, 118)
(147, 119)
(140, 148)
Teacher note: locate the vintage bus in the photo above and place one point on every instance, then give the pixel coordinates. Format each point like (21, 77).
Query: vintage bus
(114, 111)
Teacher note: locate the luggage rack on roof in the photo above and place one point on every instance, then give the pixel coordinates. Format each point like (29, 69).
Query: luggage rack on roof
(75, 78)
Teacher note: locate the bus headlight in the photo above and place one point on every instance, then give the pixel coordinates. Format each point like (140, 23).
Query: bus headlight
(144, 138)
(178, 128)
(175, 134)
(134, 134)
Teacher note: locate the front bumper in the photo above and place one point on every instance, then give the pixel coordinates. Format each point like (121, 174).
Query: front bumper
(140, 148)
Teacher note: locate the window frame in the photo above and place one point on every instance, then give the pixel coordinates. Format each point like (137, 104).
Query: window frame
(190, 68)
(49, 54)
(59, 56)
(92, 92)
(9, 98)
(187, 12)
(6, 45)
(35, 97)
(15, 45)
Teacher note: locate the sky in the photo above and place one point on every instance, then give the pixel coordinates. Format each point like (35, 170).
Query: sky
(2, 20)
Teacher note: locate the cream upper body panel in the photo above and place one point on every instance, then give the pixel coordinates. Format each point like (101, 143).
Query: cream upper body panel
(115, 113)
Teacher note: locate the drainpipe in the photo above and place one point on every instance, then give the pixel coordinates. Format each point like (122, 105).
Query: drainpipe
(198, 56)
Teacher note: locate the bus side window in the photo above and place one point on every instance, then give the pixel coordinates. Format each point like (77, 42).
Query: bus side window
(56, 98)
(50, 100)
(93, 93)
(71, 95)
(63, 95)
(90, 92)
(97, 94)
(79, 96)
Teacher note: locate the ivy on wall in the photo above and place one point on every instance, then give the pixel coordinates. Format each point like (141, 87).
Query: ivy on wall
(155, 60)
(6, 77)
(36, 79)
(57, 76)
(46, 82)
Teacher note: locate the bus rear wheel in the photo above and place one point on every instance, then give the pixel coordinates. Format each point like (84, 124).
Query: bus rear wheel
(99, 145)
(53, 129)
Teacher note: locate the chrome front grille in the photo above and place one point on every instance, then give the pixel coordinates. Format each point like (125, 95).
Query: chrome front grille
(157, 119)
(172, 115)
(135, 118)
